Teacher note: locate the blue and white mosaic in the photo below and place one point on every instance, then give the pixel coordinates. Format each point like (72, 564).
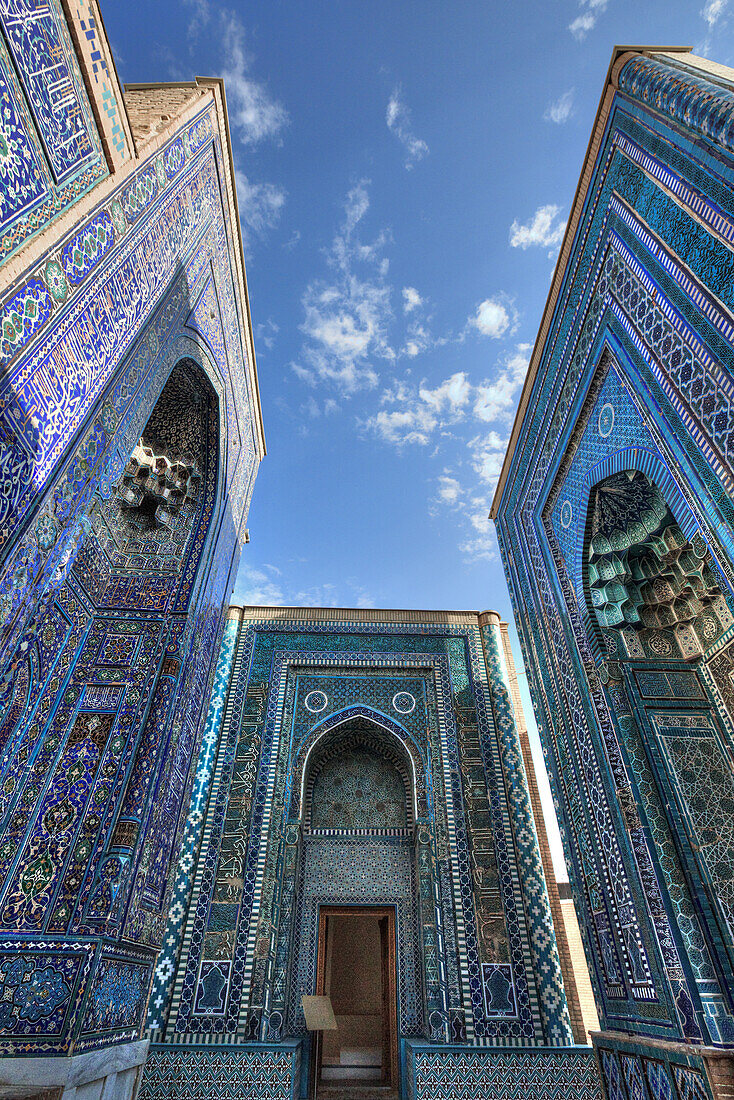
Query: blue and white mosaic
(618, 491)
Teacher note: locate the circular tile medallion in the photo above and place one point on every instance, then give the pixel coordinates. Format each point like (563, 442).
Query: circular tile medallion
(315, 701)
(403, 702)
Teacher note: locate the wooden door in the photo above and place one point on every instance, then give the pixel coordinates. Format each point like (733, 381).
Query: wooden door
(385, 967)
(386, 923)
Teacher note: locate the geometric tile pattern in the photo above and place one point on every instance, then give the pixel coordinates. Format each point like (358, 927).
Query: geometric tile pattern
(545, 952)
(110, 619)
(40, 80)
(458, 1074)
(226, 1074)
(192, 837)
(634, 387)
(690, 1083)
(22, 178)
(99, 68)
(372, 871)
(630, 1072)
(250, 933)
(702, 774)
(38, 42)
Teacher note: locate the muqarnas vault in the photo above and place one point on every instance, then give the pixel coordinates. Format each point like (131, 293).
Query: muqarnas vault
(372, 767)
(614, 514)
(129, 442)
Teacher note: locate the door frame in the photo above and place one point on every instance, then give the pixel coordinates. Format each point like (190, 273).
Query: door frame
(388, 958)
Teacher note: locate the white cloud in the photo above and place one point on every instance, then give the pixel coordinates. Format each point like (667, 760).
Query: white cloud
(202, 14)
(481, 544)
(399, 123)
(449, 490)
(345, 334)
(252, 112)
(317, 595)
(582, 24)
(418, 413)
(260, 204)
(313, 410)
(345, 319)
(543, 229)
(451, 395)
(586, 19)
(426, 415)
(411, 299)
(258, 586)
(562, 108)
(293, 240)
(266, 333)
(418, 339)
(492, 318)
(472, 508)
(414, 424)
(415, 414)
(713, 10)
(496, 398)
(488, 454)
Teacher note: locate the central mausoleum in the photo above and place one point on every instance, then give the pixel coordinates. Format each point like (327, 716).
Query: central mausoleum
(370, 836)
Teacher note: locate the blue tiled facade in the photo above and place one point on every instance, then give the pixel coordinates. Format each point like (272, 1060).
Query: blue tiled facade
(614, 519)
(458, 860)
(182, 794)
(129, 443)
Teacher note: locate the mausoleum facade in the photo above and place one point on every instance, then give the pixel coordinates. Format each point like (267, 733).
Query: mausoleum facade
(130, 439)
(370, 765)
(222, 832)
(614, 515)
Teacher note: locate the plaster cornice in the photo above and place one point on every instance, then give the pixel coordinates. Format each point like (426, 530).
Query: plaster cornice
(358, 615)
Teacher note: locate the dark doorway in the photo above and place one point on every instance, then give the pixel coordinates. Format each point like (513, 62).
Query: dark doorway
(356, 969)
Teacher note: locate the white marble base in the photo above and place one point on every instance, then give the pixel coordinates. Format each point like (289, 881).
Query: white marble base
(110, 1074)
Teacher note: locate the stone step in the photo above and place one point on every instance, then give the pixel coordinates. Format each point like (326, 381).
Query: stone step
(345, 1091)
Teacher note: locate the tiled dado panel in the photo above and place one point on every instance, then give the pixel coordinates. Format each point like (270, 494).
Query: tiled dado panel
(633, 1071)
(254, 1072)
(460, 1073)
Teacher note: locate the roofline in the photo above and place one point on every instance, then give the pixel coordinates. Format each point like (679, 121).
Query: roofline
(217, 83)
(153, 85)
(574, 217)
(363, 614)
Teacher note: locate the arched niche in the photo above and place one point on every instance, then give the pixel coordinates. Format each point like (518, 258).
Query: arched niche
(358, 778)
(652, 590)
(129, 719)
(656, 598)
(161, 505)
(394, 739)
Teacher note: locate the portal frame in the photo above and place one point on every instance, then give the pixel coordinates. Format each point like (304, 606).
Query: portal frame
(385, 914)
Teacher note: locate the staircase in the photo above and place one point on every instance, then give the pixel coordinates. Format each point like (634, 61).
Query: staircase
(338, 1091)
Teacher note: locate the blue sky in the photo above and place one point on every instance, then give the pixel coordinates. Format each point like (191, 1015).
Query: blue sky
(404, 172)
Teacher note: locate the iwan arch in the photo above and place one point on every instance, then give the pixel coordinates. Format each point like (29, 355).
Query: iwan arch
(208, 814)
(370, 836)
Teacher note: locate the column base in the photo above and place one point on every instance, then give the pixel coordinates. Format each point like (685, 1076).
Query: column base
(109, 1074)
(671, 1069)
